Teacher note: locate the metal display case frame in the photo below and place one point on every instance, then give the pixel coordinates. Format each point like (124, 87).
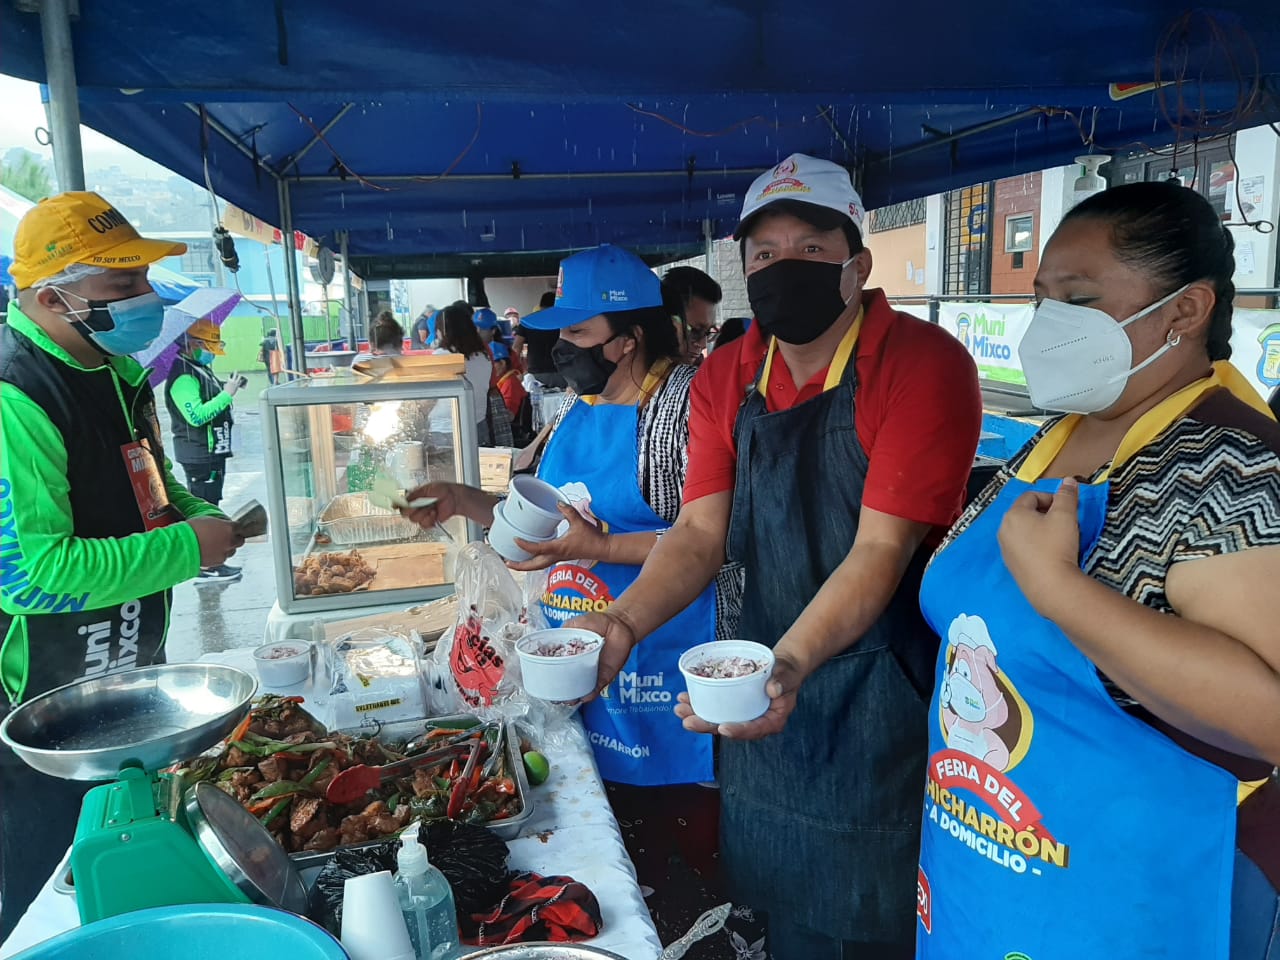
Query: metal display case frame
(318, 393)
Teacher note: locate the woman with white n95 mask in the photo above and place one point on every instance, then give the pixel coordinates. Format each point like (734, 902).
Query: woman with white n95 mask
(1105, 724)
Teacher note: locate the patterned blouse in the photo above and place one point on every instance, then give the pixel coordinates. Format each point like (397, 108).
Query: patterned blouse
(1208, 485)
(662, 440)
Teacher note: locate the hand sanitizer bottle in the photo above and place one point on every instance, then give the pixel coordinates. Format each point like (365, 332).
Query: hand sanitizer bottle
(427, 901)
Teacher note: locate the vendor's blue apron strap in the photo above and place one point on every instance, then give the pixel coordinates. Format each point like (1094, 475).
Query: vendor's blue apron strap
(633, 730)
(1057, 826)
(820, 823)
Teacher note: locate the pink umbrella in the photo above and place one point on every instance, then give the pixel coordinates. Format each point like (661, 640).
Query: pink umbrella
(210, 303)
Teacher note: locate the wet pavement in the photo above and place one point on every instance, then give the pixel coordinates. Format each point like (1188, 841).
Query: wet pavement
(207, 618)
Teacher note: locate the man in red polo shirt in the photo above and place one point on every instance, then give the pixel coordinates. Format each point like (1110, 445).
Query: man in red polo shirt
(829, 447)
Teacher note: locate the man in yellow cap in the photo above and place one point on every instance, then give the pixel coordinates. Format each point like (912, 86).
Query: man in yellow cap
(200, 412)
(94, 529)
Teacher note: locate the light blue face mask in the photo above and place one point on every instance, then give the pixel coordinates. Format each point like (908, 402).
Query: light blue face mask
(118, 327)
(202, 357)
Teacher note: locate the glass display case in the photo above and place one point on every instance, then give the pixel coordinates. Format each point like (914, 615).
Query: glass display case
(333, 449)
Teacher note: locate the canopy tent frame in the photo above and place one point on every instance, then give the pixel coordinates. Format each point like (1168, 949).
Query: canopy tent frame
(735, 112)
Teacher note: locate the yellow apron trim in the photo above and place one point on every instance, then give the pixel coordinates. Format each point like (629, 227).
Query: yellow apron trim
(1149, 426)
(654, 379)
(1247, 788)
(838, 363)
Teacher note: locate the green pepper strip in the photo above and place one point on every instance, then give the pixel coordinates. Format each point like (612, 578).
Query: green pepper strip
(275, 811)
(278, 789)
(315, 774)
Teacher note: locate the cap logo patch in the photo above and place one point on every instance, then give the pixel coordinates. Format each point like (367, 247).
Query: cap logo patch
(560, 285)
(615, 296)
(856, 211)
(785, 185)
(785, 169)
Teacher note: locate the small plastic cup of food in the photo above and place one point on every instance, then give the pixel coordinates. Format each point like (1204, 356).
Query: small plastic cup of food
(559, 665)
(726, 680)
(284, 663)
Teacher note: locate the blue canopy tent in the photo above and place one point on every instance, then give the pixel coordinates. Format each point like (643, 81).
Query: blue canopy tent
(486, 140)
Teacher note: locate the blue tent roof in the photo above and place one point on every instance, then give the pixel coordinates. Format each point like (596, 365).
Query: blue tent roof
(485, 130)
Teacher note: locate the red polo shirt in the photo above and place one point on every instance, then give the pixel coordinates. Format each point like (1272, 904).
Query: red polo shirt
(918, 412)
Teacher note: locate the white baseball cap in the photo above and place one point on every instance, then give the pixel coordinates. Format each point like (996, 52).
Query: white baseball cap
(803, 179)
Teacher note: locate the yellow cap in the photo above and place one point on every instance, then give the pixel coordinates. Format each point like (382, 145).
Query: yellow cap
(210, 335)
(78, 227)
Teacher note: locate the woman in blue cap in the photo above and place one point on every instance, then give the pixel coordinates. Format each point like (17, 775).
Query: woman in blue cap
(622, 434)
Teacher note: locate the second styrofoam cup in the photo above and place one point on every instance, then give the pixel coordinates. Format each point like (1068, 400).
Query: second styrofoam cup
(559, 679)
(728, 699)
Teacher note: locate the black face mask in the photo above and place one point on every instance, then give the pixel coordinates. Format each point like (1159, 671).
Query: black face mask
(796, 301)
(585, 369)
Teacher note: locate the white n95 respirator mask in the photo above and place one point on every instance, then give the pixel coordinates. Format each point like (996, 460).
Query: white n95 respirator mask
(1078, 359)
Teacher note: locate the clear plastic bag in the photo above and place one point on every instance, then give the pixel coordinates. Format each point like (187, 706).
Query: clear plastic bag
(375, 676)
(475, 669)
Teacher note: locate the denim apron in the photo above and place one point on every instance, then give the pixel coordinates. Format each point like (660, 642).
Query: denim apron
(1057, 826)
(634, 732)
(820, 823)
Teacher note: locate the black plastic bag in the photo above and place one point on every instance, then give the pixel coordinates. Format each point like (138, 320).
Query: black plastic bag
(472, 858)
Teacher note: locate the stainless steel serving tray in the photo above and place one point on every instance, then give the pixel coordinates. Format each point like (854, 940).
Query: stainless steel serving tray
(402, 731)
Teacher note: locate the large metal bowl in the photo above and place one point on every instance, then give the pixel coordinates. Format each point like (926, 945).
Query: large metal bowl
(543, 951)
(150, 717)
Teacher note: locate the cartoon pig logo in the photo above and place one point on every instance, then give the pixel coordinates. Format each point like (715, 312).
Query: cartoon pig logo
(975, 709)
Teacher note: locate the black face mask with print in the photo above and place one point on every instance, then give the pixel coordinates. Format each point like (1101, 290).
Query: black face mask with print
(796, 301)
(585, 369)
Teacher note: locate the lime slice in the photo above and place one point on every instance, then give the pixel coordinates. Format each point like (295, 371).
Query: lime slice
(537, 767)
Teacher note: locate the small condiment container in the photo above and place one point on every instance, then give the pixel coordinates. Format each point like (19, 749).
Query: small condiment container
(727, 699)
(559, 677)
(284, 663)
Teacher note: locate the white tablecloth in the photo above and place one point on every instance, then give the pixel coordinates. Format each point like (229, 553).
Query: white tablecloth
(572, 832)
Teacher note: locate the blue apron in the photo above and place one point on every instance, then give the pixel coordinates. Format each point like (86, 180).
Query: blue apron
(1056, 826)
(636, 736)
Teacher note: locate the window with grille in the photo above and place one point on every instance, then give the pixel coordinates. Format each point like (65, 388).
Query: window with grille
(898, 215)
(966, 265)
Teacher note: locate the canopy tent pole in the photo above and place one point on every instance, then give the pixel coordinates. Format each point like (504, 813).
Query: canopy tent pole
(348, 301)
(63, 105)
(293, 291)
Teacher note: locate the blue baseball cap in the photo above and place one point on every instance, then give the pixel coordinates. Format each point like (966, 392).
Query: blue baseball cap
(485, 319)
(499, 350)
(607, 279)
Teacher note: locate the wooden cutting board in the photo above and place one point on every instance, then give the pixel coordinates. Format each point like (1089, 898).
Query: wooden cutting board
(400, 565)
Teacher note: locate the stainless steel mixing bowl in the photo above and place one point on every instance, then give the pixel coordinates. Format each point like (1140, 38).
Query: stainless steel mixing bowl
(150, 717)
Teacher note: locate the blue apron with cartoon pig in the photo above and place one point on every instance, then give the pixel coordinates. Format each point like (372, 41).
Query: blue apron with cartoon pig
(1056, 825)
(636, 736)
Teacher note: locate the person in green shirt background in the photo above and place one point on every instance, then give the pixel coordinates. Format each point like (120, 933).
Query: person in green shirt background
(200, 411)
(94, 528)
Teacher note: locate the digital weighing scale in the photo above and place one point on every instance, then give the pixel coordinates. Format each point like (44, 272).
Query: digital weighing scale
(143, 841)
